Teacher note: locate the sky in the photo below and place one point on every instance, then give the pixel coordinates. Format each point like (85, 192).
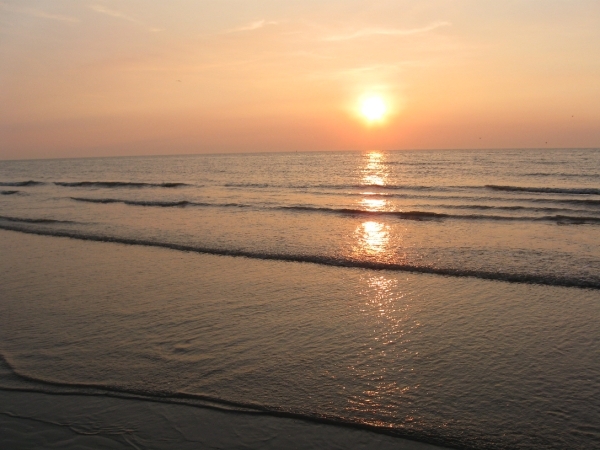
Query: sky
(85, 78)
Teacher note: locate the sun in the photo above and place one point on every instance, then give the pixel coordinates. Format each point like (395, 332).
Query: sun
(373, 108)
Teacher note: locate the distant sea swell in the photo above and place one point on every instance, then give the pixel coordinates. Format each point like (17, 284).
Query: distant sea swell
(116, 184)
(493, 187)
(99, 184)
(379, 190)
(157, 203)
(20, 183)
(545, 190)
(392, 195)
(12, 224)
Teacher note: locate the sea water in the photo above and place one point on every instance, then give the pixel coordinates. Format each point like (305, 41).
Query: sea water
(449, 297)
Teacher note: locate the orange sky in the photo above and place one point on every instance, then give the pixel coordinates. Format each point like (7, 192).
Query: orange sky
(132, 77)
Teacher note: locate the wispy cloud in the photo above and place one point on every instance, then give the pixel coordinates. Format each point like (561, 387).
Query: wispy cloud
(39, 13)
(112, 12)
(252, 26)
(120, 15)
(378, 31)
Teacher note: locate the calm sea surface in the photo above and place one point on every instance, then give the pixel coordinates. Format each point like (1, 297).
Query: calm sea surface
(451, 297)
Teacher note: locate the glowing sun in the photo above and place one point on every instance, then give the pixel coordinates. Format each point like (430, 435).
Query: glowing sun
(373, 108)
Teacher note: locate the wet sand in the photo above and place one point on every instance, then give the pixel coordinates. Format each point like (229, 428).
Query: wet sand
(35, 420)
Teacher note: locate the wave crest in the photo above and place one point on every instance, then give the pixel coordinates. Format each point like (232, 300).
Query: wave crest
(336, 261)
(545, 190)
(116, 184)
(28, 220)
(21, 183)
(158, 203)
(403, 215)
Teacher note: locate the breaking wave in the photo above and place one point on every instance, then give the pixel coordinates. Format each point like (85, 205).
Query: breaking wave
(336, 261)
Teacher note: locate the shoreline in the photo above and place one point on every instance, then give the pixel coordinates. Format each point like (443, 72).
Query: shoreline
(31, 420)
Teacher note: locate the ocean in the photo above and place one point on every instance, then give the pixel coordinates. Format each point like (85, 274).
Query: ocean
(407, 299)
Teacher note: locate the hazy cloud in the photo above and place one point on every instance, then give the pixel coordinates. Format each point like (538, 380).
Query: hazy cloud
(382, 70)
(252, 26)
(377, 31)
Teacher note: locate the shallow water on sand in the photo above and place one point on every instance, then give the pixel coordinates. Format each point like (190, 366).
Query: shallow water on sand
(359, 288)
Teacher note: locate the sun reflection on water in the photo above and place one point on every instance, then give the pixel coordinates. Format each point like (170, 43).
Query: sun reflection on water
(374, 204)
(375, 172)
(372, 237)
(387, 375)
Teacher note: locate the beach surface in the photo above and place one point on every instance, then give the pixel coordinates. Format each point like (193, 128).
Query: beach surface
(33, 420)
